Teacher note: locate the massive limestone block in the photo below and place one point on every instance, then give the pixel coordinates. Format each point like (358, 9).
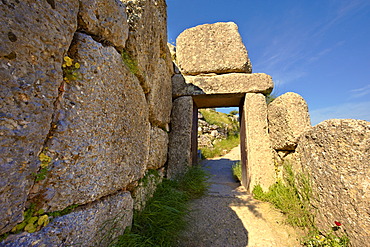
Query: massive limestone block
(260, 167)
(147, 45)
(288, 118)
(159, 97)
(158, 148)
(221, 84)
(95, 224)
(100, 138)
(179, 148)
(212, 48)
(106, 20)
(336, 155)
(34, 35)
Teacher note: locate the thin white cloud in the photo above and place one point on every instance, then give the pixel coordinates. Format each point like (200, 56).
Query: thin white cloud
(325, 51)
(287, 77)
(359, 110)
(343, 10)
(360, 92)
(295, 48)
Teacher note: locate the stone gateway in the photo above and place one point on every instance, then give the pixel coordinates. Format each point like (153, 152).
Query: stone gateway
(93, 101)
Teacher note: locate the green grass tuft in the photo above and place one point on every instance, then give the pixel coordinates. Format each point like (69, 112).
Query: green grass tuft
(287, 197)
(160, 222)
(237, 171)
(292, 197)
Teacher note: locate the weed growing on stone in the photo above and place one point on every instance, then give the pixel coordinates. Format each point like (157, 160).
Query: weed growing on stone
(237, 171)
(160, 222)
(130, 63)
(33, 221)
(44, 166)
(70, 70)
(65, 211)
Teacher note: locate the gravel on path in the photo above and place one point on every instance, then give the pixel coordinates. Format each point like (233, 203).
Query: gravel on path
(228, 216)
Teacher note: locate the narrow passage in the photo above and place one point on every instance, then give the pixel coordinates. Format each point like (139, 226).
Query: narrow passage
(228, 216)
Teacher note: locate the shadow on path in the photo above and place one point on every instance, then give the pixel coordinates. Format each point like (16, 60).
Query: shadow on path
(212, 222)
(228, 216)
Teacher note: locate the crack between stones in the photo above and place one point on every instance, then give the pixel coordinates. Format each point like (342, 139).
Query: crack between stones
(56, 106)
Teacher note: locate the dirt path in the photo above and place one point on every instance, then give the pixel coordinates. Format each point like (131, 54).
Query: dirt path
(229, 216)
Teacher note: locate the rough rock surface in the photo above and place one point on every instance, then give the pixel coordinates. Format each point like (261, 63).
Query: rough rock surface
(172, 49)
(159, 97)
(96, 224)
(158, 148)
(106, 20)
(221, 84)
(288, 118)
(260, 167)
(100, 138)
(179, 152)
(212, 48)
(31, 56)
(146, 188)
(147, 44)
(336, 155)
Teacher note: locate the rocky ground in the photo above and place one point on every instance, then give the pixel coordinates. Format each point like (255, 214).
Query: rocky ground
(229, 216)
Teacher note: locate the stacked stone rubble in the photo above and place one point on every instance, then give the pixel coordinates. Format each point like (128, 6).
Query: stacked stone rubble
(98, 133)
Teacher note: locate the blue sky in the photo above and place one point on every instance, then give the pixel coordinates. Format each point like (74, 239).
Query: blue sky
(319, 49)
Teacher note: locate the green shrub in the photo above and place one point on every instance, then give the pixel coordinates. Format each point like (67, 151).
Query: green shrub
(220, 119)
(160, 222)
(270, 97)
(219, 147)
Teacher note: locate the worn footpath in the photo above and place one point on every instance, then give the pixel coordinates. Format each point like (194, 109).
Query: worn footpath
(228, 216)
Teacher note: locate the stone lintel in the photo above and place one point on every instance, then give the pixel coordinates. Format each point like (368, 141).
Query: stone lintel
(218, 100)
(233, 83)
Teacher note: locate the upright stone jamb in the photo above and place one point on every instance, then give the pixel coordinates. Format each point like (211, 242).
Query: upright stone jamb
(179, 148)
(260, 167)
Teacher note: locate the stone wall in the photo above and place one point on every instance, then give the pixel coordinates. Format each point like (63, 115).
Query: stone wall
(92, 106)
(334, 155)
(85, 111)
